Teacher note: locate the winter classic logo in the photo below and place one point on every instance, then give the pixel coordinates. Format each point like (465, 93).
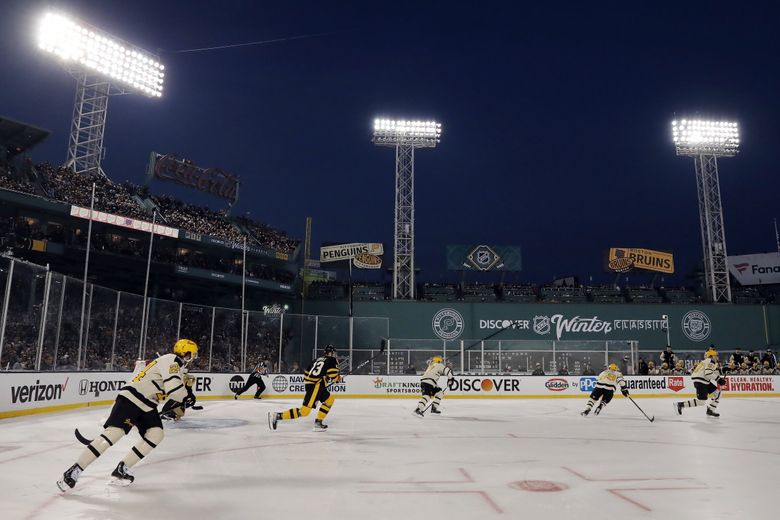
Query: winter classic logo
(447, 324)
(696, 325)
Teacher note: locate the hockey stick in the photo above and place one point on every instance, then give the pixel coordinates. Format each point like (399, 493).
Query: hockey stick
(81, 438)
(345, 363)
(651, 419)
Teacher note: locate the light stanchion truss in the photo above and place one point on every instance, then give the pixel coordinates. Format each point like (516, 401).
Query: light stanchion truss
(102, 65)
(705, 141)
(405, 136)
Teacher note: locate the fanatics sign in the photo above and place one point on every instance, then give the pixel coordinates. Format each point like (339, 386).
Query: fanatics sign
(759, 269)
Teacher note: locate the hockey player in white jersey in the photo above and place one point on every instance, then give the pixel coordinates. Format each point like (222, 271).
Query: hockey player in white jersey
(706, 375)
(136, 406)
(429, 384)
(608, 382)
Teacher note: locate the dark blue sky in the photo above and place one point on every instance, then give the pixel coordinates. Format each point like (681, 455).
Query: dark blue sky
(556, 116)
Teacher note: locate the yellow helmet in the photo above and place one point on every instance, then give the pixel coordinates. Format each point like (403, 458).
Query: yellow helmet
(183, 346)
(437, 359)
(711, 353)
(613, 366)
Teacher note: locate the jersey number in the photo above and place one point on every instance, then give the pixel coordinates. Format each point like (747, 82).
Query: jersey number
(316, 369)
(142, 373)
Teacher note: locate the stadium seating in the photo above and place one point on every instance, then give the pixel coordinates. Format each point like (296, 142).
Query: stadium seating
(519, 294)
(605, 294)
(435, 292)
(129, 200)
(563, 295)
(644, 294)
(681, 295)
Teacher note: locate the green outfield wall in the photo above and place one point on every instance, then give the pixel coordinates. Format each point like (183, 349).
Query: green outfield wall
(690, 326)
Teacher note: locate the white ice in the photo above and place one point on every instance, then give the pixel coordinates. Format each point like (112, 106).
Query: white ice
(480, 459)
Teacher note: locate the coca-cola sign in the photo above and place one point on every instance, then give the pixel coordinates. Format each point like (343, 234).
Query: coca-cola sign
(208, 180)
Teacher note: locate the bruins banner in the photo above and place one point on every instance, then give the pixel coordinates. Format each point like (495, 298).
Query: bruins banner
(623, 259)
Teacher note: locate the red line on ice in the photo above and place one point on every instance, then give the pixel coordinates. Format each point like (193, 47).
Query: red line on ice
(589, 479)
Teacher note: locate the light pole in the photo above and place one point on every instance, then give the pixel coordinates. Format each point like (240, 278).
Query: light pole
(405, 136)
(705, 141)
(665, 326)
(102, 66)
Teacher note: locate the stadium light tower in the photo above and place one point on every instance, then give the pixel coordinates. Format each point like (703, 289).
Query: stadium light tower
(102, 66)
(405, 136)
(705, 141)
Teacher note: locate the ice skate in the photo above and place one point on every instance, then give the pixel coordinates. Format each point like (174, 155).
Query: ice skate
(273, 418)
(435, 410)
(598, 409)
(678, 408)
(319, 427)
(69, 478)
(122, 474)
(712, 413)
(418, 413)
(585, 412)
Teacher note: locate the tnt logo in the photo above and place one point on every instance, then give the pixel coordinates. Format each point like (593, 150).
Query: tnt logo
(676, 383)
(587, 384)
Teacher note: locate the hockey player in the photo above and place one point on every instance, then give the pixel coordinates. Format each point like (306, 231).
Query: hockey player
(429, 384)
(706, 376)
(136, 406)
(255, 378)
(607, 383)
(316, 378)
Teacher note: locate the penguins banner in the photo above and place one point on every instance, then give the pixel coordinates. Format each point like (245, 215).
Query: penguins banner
(363, 255)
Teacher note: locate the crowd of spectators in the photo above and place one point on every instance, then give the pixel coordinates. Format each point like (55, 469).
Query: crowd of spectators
(751, 363)
(128, 200)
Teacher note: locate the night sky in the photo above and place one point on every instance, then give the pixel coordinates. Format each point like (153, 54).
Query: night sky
(556, 118)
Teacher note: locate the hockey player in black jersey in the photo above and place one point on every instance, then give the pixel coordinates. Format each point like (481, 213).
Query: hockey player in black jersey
(255, 378)
(322, 372)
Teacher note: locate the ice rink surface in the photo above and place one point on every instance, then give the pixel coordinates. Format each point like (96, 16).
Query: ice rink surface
(511, 458)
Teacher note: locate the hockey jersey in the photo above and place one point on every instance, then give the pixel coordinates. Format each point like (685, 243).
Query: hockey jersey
(611, 380)
(706, 372)
(325, 369)
(161, 379)
(434, 372)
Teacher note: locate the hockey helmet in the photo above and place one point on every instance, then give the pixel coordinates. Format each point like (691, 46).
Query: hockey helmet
(184, 346)
(437, 359)
(613, 366)
(330, 349)
(711, 353)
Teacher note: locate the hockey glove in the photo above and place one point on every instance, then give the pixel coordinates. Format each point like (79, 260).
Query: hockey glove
(624, 391)
(721, 380)
(189, 401)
